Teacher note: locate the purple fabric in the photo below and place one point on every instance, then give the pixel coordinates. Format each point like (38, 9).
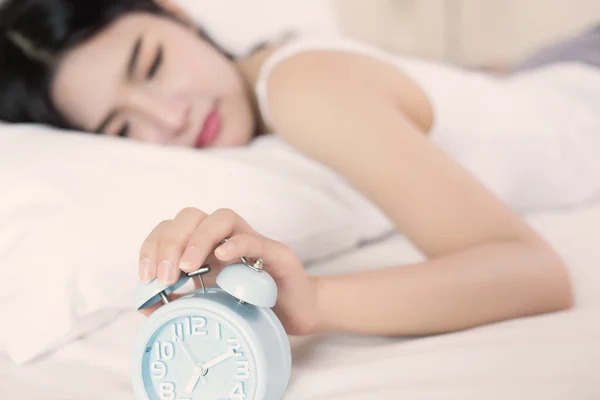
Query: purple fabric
(584, 48)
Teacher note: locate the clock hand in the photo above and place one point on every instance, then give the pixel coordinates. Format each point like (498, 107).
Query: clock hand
(198, 372)
(185, 350)
(218, 360)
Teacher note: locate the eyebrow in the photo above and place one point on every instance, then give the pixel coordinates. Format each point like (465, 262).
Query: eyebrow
(131, 67)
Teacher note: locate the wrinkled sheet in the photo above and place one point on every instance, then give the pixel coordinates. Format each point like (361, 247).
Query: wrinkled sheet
(549, 357)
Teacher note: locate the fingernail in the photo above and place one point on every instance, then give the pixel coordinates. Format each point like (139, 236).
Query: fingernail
(166, 271)
(185, 264)
(225, 249)
(146, 270)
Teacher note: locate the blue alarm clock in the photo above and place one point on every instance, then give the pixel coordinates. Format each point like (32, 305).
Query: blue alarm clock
(222, 343)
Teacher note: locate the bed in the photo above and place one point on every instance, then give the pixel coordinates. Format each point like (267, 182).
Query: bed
(547, 357)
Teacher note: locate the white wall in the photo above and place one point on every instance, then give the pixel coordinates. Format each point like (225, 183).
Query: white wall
(417, 27)
(239, 25)
(471, 32)
(509, 29)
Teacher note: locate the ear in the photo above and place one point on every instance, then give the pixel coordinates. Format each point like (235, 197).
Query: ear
(172, 7)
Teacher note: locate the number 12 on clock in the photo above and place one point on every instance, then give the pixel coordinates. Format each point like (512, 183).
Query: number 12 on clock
(194, 326)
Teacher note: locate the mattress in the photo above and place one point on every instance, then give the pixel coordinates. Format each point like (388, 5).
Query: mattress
(550, 357)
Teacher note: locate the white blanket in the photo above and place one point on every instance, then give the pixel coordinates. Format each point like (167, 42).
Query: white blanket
(547, 357)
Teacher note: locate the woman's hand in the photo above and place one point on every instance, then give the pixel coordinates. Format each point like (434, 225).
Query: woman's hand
(193, 239)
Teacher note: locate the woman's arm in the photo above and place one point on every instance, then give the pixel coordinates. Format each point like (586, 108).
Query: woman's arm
(482, 284)
(355, 116)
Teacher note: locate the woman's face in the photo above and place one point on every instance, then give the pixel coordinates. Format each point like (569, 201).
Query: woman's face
(150, 78)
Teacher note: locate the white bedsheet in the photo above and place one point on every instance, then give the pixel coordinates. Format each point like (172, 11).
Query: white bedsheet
(546, 357)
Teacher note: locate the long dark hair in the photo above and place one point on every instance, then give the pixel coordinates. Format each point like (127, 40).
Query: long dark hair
(33, 35)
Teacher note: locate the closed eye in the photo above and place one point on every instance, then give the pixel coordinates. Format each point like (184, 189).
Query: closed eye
(124, 130)
(158, 59)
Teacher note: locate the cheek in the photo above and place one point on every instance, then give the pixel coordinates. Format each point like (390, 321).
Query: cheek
(205, 70)
(146, 131)
(67, 98)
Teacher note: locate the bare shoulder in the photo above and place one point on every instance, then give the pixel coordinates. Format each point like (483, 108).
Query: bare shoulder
(341, 74)
(366, 120)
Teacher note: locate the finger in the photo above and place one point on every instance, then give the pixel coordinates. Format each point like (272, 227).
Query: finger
(208, 235)
(148, 265)
(242, 245)
(173, 242)
(277, 257)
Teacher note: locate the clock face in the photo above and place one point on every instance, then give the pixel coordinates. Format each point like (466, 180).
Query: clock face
(199, 357)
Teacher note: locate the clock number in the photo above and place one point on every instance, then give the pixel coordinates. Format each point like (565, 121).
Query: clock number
(218, 331)
(167, 391)
(164, 350)
(158, 370)
(198, 325)
(235, 345)
(238, 392)
(243, 370)
(191, 326)
(177, 331)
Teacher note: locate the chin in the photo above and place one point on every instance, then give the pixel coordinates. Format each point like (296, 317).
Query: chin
(238, 136)
(237, 126)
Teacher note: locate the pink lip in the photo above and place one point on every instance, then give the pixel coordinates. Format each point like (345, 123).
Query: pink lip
(210, 129)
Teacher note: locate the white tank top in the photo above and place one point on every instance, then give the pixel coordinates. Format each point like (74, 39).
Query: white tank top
(426, 72)
(302, 44)
(579, 88)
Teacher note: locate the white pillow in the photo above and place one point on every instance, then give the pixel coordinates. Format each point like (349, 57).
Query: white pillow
(261, 20)
(75, 208)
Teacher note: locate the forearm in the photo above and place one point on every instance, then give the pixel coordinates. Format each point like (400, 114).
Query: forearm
(481, 285)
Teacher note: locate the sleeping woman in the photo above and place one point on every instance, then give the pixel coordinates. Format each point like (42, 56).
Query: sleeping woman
(402, 131)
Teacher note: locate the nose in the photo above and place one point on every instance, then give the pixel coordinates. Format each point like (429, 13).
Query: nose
(171, 115)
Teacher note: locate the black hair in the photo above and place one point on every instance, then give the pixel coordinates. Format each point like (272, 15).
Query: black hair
(33, 35)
